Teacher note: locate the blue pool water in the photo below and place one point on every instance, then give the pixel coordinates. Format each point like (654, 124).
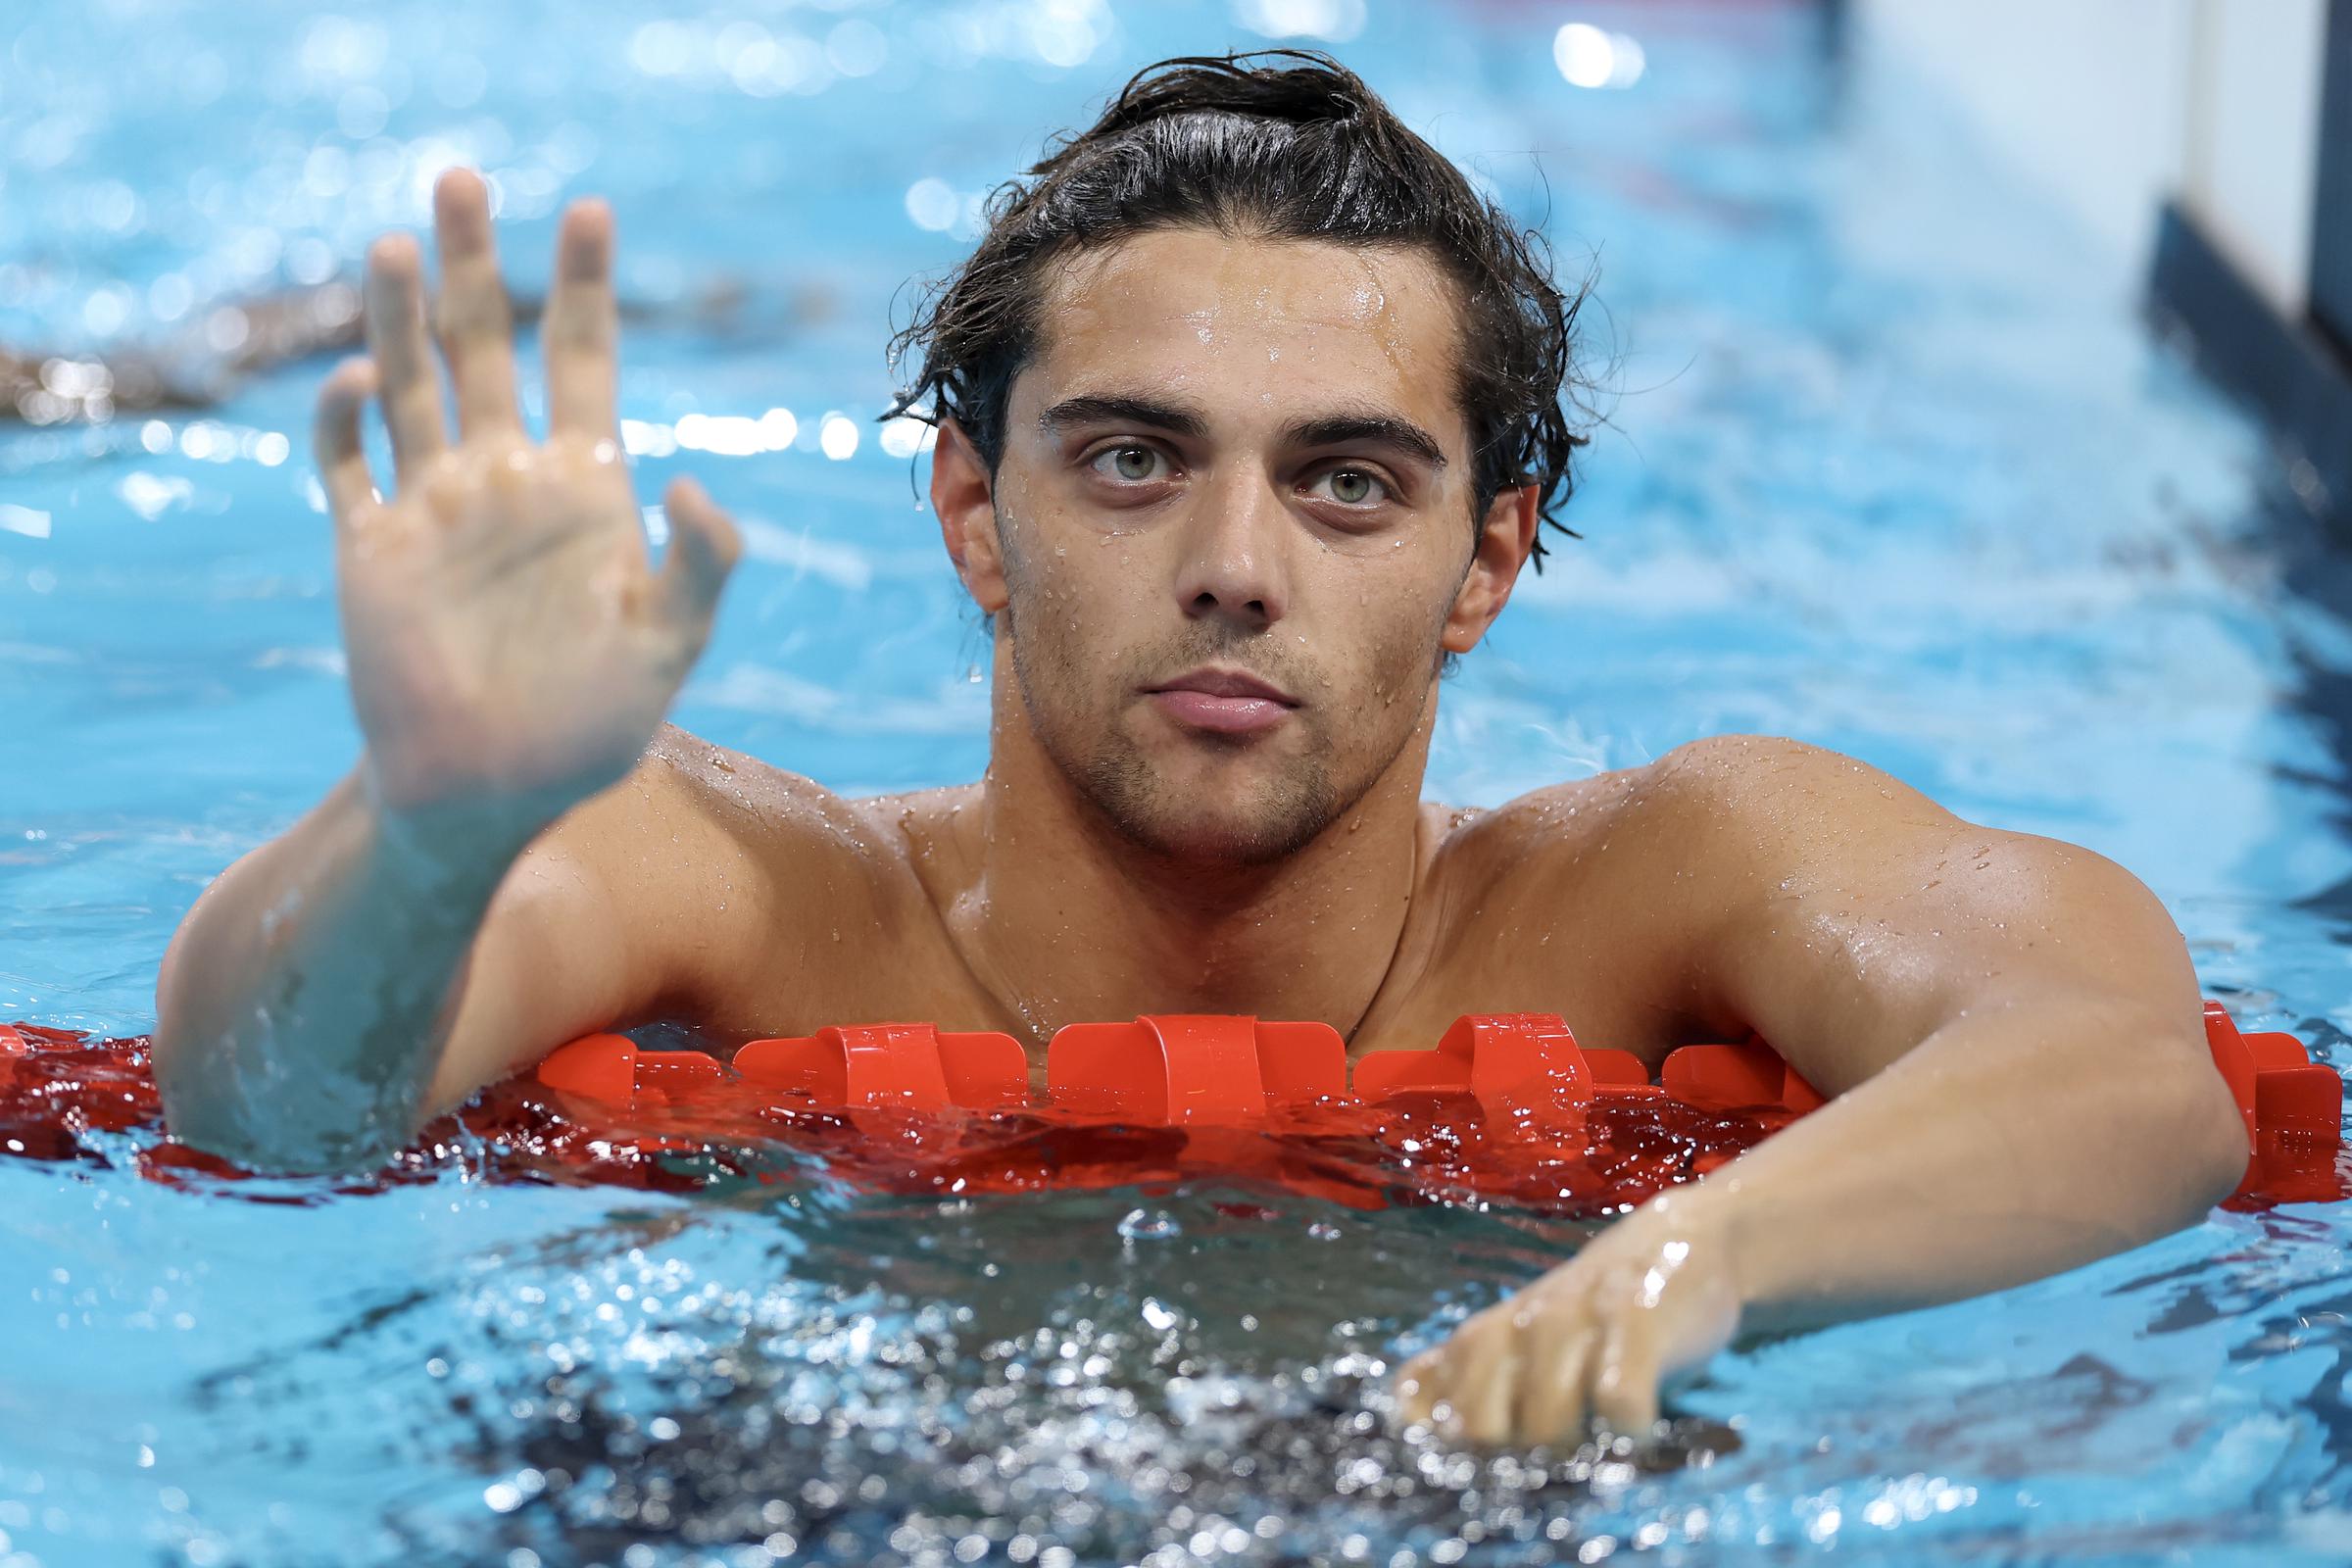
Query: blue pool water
(1894, 467)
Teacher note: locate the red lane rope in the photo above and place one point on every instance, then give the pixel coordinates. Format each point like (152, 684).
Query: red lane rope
(1507, 1108)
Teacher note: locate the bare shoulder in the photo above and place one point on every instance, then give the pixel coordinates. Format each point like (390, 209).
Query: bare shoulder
(1482, 843)
(774, 825)
(1707, 784)
(1812, 818)
(1676, 901)
(1772, 777)
(744, 798)
(1813, 809)
(1644, 850)
(732, 877)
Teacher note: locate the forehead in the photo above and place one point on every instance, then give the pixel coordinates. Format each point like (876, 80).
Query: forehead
(1251, 325)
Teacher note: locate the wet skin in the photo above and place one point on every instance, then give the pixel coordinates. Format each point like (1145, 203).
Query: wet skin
(1231, 537)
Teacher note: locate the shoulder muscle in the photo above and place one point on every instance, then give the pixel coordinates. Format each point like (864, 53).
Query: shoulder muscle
(659, 897)
(1844, 915)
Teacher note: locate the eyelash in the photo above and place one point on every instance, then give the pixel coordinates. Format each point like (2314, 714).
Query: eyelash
(1387, 491)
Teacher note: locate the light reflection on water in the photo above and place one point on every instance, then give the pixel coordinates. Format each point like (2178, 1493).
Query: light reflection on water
(1894, 468)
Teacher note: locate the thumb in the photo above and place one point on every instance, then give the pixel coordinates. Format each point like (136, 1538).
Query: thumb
(704, 547)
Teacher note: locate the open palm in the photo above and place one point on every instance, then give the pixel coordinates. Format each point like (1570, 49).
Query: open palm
(511, 645)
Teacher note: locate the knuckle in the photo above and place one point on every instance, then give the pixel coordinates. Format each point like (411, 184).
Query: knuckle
(446, 489)
(575, 329)
(508, 466)
(415, 410)
(469, 314)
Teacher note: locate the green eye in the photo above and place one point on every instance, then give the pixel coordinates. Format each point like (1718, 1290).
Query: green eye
(1131, 464)
(1353, 486)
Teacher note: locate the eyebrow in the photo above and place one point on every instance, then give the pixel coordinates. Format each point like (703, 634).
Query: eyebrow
(1377, 429)
(1177, 419)
(1185, 420)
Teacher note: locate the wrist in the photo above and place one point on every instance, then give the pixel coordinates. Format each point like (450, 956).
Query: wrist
(451, 850)
(1706, 1218)
(1781, 1276)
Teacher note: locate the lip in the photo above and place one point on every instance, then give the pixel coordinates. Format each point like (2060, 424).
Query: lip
(1226, 701)
(1214, 682)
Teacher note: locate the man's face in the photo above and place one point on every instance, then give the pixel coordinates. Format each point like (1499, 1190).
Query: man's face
(1233, 462)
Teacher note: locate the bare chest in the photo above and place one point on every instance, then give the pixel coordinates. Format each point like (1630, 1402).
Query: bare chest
(1604, 974)
(1492, 928)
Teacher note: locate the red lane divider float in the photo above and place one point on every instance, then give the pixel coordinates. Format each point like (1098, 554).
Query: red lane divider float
(1507, 1108)
(2293, 1109)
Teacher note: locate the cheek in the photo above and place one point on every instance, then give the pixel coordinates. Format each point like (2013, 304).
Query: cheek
(1070, 609)
(1401, 615)
(1063, 593)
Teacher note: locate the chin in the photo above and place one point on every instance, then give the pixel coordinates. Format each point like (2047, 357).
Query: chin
(1204, 825)
(1222, 840)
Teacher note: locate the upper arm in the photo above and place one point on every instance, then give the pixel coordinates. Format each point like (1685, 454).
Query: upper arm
(1845, 917)
(653, 899)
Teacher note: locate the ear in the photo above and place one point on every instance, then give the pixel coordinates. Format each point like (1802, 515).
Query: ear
(964, 497)
(1505, 540)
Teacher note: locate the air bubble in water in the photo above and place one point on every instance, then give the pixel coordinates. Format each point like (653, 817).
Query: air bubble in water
(1149, 1225)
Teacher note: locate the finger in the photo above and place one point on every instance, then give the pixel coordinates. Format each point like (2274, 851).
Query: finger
(582, 326)
(471, 317)
(704, 547)
(336, 437)
(1552, 1403)
(394, 314)
(1418, 1388)
(1624, 1387)
(1483, 1394)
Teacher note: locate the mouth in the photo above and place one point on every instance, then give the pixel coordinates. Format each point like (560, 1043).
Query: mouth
(1225, 702)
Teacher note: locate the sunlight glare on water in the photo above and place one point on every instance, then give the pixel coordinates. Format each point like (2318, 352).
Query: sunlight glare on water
(1893, 466)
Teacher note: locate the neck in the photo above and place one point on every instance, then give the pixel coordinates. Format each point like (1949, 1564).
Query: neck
(1071, 921)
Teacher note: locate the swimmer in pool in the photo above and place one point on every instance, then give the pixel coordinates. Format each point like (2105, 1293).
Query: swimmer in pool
(1250, 412)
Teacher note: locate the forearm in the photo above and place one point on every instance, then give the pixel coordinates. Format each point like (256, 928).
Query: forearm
(309, 991)
(2011, 1143)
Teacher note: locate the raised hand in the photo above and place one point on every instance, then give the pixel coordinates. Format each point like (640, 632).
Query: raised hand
(510, 648)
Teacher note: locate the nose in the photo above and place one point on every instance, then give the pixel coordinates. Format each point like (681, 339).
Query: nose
(1231, 566)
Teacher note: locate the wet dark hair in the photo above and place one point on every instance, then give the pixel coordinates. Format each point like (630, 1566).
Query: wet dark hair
(1282, 144)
